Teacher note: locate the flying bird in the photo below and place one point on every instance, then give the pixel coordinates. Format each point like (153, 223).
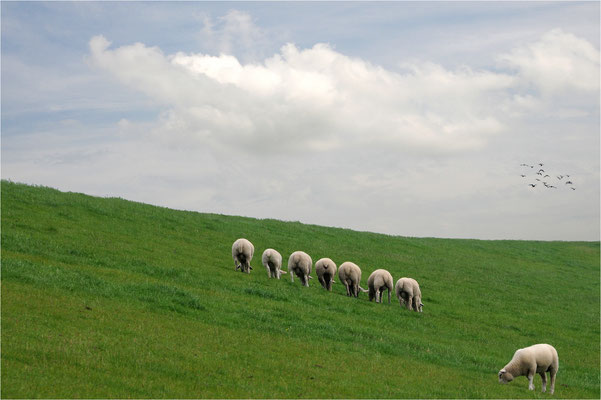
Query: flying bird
(532, 184)
(523, 176)
(569, 183)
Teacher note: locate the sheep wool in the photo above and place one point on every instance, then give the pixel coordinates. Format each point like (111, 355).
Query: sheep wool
(378, 281)
(407, 291)
(536, 359)
(350, 275)
(242, 252)
(272, 261)
(325, 269)
(300, 263)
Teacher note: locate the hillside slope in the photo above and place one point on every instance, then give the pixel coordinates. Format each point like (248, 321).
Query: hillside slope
(103, 297)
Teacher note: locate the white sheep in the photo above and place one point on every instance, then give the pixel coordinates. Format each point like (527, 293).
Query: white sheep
(325, 269)
(378, 281)
(539, 358)
(350, 275)
(300, 263)
(407, 290)
(242, 252)
(272, 261)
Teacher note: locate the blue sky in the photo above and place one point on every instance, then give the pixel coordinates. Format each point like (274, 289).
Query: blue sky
(395, 117)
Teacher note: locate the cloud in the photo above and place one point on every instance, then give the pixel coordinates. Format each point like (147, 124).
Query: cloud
(312, 99)
(556, 63)
(233, 32)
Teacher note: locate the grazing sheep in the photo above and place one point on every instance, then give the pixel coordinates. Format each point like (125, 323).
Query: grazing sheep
(300, 264)
(539, 358)
(272, 260)
(242, 252)
(325, 270)
(378, 281)
(350, 275)
(407, 290)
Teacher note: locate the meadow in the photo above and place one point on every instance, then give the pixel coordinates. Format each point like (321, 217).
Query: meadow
(108, 298)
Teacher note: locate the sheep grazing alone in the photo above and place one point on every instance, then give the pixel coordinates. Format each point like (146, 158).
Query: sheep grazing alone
(539, 358)
(300, 264)
(378, 281)
(407, 290)
(272, 261)
(350, 275)
(242, 252)
(325, 270)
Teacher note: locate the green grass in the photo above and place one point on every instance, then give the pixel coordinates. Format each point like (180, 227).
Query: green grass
(106, 298)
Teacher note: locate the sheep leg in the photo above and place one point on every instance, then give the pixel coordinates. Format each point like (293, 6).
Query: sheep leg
(322, 281)
(329, 285)
(543, 376)
(409, 302)
(356, 290)
(306, 280)
(291, 274)
(400, 301)
(388, 295)
(530, 380)
(553, 372)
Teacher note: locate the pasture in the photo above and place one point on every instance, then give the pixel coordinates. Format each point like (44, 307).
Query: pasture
(107, 298)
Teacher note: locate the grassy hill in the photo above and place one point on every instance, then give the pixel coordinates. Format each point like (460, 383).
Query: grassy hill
(105, 298)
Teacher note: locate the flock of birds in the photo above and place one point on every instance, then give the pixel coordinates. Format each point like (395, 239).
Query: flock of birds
(542, 178)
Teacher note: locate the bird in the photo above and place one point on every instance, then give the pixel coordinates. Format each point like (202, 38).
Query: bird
(541, 170)
(569, 183)
(541, 164)
(523, 176)
(573, 188)
(560, 177)
(546, 176)
(532, 184)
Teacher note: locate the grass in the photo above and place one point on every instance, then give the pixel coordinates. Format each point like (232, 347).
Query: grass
(106, 298)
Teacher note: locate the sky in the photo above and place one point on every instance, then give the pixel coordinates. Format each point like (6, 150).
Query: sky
(403, 118)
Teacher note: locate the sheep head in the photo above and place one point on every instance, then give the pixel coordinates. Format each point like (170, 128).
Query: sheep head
(505, 376)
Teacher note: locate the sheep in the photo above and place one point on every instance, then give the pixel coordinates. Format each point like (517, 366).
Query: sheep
(378, 281)
(350, 275)
(300, 263)
(242, 252)
(539, 358)
(325, 270)
(272, 261)
(407, 290)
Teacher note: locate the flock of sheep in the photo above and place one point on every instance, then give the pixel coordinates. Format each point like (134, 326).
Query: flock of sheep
(536, 359)
(300, 264)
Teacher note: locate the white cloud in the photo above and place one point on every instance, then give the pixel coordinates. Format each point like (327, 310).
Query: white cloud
(556, 63)
(233, 32)
(316, 99)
